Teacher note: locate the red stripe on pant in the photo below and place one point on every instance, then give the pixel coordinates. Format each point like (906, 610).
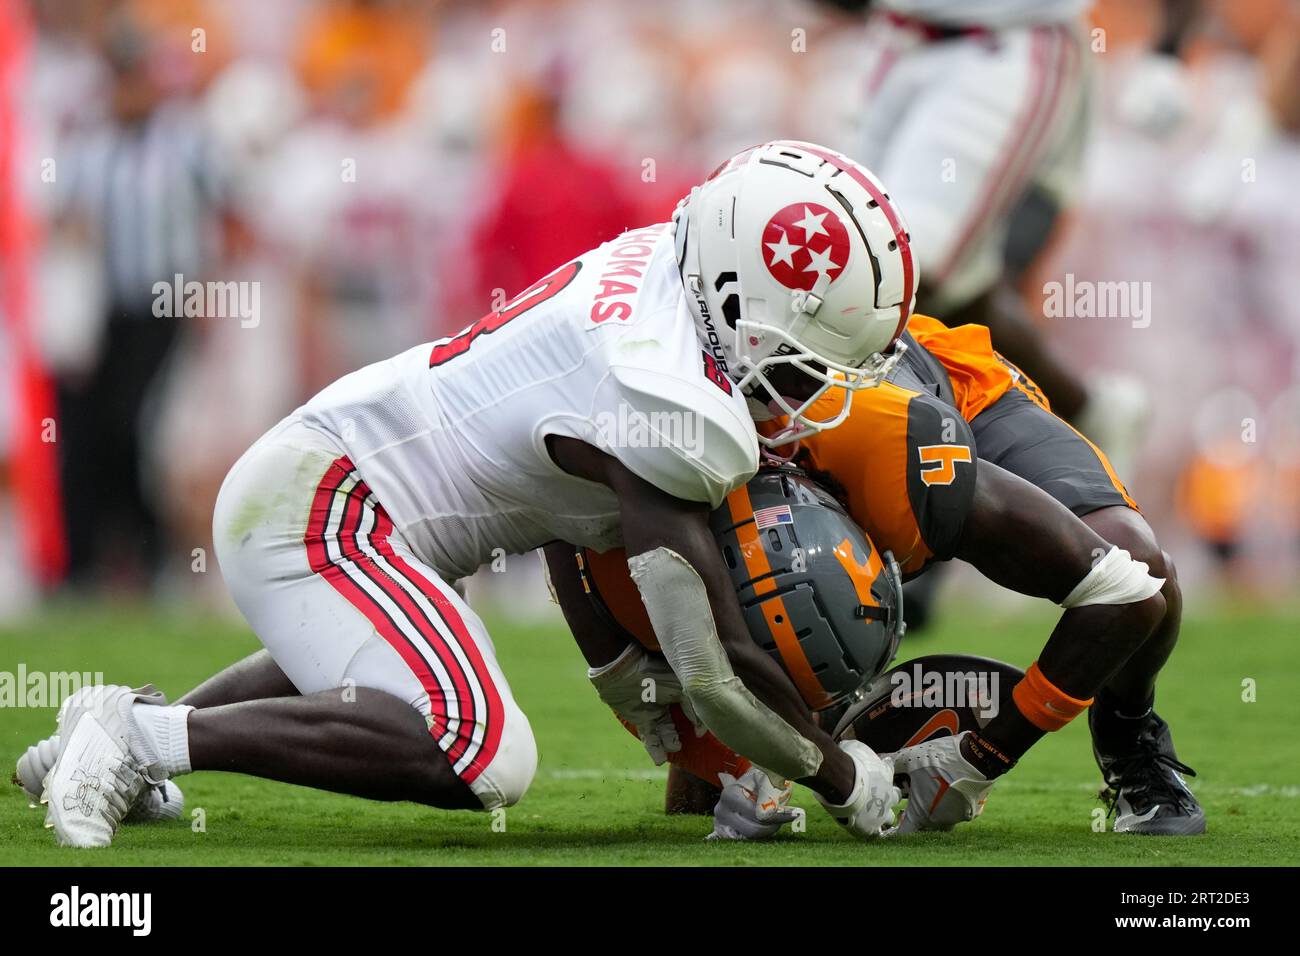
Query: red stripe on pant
(495, 712)
(350, 535)
(347, 537)
(1006, 184)
(321, 563)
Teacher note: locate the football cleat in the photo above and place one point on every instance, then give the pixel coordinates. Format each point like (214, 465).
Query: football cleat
(165, 801)
(96, 780)
(158, 803)
(1144, 785)
(942, 788)
(34, 764)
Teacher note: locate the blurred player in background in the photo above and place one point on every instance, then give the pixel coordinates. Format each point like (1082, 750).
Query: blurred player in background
(141, 192)
(977, 113)
(973, 107)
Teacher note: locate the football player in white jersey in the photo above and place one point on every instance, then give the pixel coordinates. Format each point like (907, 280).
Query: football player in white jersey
(974, 108)
(611, 403)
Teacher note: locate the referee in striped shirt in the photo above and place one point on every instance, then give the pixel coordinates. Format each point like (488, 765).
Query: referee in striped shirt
(141, 189)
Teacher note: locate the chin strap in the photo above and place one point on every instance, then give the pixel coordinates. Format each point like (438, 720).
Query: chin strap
(769, 457)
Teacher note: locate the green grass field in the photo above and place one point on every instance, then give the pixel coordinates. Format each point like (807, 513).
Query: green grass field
(597, 799)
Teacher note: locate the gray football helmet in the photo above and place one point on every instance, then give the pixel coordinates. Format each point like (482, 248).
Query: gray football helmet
(815, 592)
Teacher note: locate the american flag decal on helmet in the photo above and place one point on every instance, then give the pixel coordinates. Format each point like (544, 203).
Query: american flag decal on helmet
(768, 517)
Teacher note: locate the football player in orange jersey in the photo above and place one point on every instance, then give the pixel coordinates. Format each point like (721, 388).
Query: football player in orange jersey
(958, 454)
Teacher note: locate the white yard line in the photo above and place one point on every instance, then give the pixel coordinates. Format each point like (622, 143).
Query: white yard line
(658, 773)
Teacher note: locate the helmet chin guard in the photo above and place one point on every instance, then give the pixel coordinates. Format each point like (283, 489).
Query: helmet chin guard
(874, 371)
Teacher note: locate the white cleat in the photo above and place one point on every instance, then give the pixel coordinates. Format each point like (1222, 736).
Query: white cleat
(33, 766)
(96, 780)
(943, 789)
(1116, 417)
(155, 804)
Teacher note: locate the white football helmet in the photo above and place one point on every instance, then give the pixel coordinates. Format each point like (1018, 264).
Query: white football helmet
(792, 253)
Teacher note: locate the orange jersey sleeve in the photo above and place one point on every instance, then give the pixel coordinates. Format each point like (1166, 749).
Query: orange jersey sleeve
(979, 375)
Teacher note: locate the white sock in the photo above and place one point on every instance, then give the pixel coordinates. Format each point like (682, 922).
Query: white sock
(161, 737)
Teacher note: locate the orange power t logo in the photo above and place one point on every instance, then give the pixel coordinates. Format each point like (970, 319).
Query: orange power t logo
(939, 462)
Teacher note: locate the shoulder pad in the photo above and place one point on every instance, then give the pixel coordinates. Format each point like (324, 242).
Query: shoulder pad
(688, 437)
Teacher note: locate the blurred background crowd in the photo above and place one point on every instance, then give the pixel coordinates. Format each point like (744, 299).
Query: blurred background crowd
(385, 171)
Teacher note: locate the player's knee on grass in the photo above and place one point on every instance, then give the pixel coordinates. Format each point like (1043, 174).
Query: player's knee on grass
(513, 767)
(518, 774)
(498, 776)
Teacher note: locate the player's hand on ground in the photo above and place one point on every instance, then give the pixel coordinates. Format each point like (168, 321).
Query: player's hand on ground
(752, 807)
(640, 688)
(943, 789)
(870, 807)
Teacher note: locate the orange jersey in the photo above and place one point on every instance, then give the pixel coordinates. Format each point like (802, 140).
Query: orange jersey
(977, 374)
(905, 457)
(905, 464)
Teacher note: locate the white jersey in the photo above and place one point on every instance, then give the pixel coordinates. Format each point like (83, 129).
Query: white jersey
(991, 14)
(451, 435)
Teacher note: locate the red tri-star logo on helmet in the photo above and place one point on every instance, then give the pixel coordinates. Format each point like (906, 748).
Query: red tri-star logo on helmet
(801, 242)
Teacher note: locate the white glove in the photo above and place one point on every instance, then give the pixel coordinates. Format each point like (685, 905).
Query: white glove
(1156, 98)
(942, 788)
(870, 807)
(752, 807)
(640, 688)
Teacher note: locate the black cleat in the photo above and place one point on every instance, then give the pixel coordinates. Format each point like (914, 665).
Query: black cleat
(1144, 786)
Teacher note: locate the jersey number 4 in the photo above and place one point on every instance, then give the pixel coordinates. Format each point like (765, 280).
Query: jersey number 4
(535, 294)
